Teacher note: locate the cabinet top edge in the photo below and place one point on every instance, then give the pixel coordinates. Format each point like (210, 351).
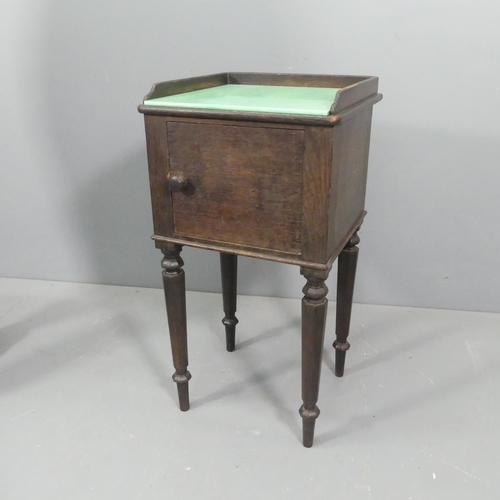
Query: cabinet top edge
(353, 90)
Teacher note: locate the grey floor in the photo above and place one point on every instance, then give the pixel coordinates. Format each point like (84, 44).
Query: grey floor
(88, 409)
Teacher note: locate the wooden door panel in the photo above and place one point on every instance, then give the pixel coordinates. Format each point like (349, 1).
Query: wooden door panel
(244, 184)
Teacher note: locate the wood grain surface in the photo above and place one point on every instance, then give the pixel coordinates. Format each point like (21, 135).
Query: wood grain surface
(245, 184)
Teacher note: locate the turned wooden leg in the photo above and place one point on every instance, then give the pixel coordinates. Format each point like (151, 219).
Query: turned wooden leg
(229, 274)
(175, 299)
(347, 262)
(314, 306)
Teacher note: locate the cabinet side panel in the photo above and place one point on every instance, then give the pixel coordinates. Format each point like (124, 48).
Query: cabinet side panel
(316, 185)
(157, 146)
(349, 176)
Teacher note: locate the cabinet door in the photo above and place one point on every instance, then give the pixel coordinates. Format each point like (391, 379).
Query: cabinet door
(244, 184)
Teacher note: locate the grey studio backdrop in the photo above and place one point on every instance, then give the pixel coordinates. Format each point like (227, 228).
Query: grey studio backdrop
(74, 195)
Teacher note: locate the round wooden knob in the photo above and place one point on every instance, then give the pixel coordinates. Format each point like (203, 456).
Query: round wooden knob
(177, 182)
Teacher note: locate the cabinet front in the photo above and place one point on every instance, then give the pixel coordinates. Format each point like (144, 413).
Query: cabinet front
(237, 184)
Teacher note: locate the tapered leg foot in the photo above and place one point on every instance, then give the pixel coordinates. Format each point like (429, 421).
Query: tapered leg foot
(314, 307)
(340, 350)
(182, 389)
(229, 274)
(308, 423)
(175, 298)
(347, 264)
(230, 325)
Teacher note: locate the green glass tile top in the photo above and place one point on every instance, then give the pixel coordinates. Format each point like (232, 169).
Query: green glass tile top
(257, 98)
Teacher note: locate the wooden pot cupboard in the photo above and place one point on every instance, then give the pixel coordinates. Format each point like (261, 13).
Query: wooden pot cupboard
(271, 166)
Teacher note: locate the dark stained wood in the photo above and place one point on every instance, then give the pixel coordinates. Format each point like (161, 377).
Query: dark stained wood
(245, 250)
(177, 183)
(348, 187)
(246, 184)
(347, 263)
(319, 121)
(173, 87)
(235, 123)
(157, 147)
(314, 308)
(349, 112)
(175, 299)
(344, 240)
(295, 80)
(287, 188)
(316, 182)
(229, 275)
(353, 94)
